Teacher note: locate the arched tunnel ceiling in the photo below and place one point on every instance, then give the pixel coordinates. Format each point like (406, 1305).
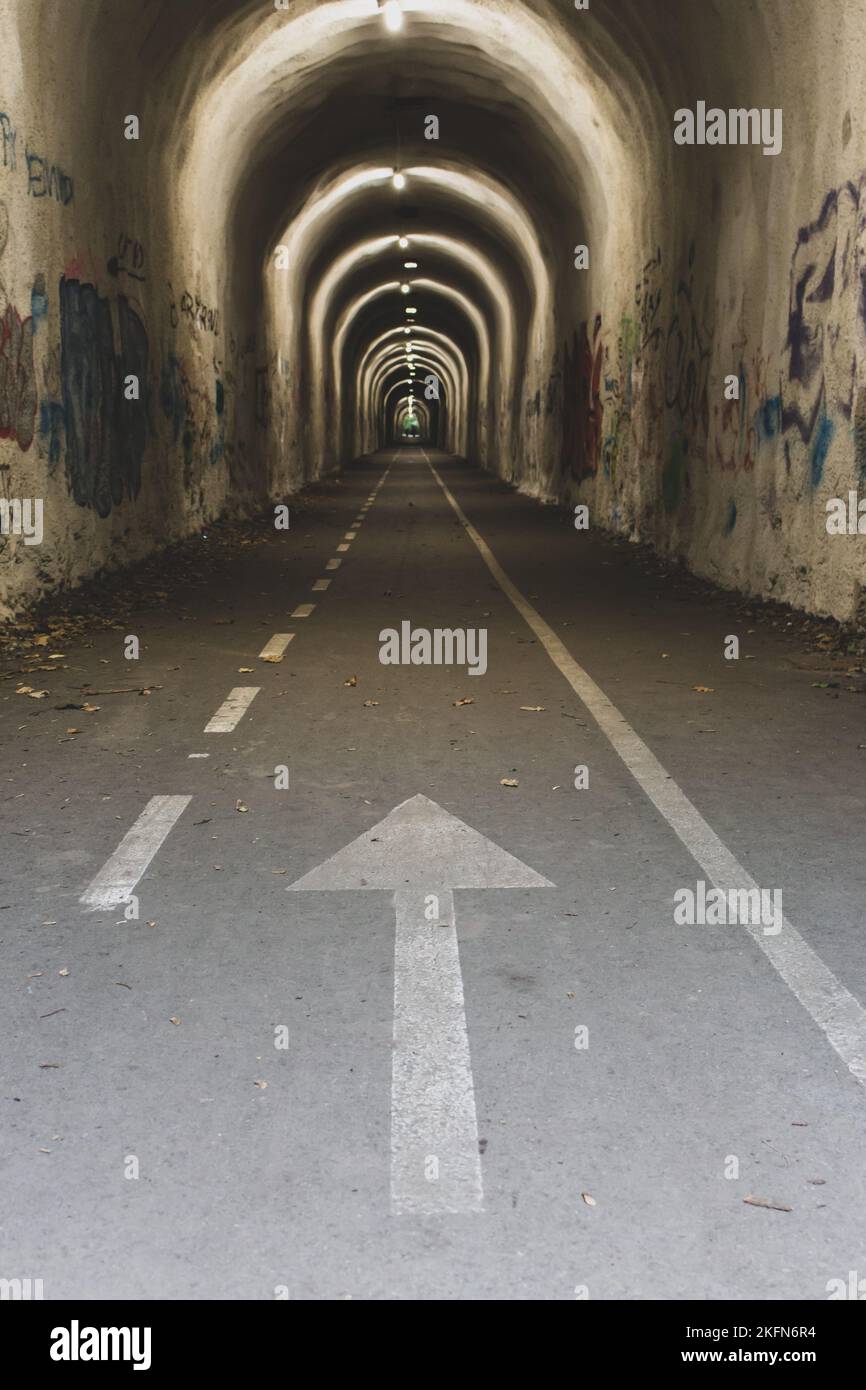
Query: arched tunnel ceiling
(288, 123)
(278, 133)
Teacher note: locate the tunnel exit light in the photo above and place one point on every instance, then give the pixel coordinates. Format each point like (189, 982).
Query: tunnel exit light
(393, 16)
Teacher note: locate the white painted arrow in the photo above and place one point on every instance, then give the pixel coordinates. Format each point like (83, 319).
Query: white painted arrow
(422, 853)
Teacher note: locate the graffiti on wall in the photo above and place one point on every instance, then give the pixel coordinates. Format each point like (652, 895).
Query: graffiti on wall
(193, 309)
(45, 177)
(583, 411)
(826, 321)
(196, 419)
(687, 357)
(106, 433)
(819, 390)
(128, 259)
(18, 397)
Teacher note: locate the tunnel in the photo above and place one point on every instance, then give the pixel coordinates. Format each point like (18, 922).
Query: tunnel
(432, 442)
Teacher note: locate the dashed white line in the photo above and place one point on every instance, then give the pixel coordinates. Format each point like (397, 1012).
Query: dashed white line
(117, 878)
(342, 547)
(320, 585)
(303, 610)
(841, 1017)
(333, 564)
(350, 535)
(276, 646)
(232, 710)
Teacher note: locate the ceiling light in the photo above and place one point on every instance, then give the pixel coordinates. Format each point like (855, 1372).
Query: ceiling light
(403, 243)
(410, 265)
(410, 310)
(404, 289)
(393, 16)
(399, 181)
(407, 330)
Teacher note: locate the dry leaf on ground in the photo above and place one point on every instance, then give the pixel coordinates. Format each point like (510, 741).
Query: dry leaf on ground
(766, 1202)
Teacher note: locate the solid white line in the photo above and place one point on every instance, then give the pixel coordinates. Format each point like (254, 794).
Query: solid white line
(435, 1164)
(303, 610)
(837, 1013)
(232, 710)
(277, 645)
(117, 878)
(320, 585)
(333, 564)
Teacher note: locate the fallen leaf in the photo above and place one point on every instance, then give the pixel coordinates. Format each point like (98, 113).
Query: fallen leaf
(766, 1202)
(90, 709)
(273, 657)
(239, 806)
(467, 700)
(369, 704)
(41, 641)
(175, 1021)
(533, 709)
(590, 1200)
(279, 871)
(64, 971)
(73, 731)
(245, 670)
(353, 680)
(508, 782)
(703, 689)
(262, 1085)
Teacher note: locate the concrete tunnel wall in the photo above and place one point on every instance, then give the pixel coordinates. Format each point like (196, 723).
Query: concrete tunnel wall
(263, 129)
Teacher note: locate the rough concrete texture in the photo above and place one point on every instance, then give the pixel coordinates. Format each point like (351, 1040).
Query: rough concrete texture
(262, 128)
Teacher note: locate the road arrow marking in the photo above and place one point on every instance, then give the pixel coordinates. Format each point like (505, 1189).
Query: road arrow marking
(422, 853)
